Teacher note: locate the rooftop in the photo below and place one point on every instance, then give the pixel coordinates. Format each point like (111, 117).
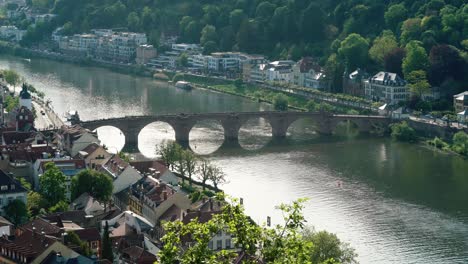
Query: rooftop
(10, 185)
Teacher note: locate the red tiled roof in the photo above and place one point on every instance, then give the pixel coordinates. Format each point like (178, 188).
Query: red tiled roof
(145, 166)
(41, 225)
(78, 163)
(116, 165)
(29, 244)
(139, 255)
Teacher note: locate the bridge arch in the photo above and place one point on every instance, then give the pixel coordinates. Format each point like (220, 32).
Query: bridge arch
(206, 136)
(303, 128)
(112, 137)
(255, 133)
(154, 134)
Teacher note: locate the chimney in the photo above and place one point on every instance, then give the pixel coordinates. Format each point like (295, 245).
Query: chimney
(164, 195)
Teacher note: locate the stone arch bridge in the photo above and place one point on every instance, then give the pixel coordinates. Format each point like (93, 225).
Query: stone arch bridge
(232, 122)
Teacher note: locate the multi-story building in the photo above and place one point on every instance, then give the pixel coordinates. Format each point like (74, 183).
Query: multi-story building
(279, 71)
(249, 64)
(198, 61)
(308, 73)
(387, 87)
(460, 102)
(144, 53)
(10, 189)
(187, 48)
(353, 83)
(11, 33)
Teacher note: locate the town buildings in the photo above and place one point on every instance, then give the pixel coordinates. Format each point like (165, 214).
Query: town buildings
(387, 87)
(10, 189)
(460, 102)
(354, 82)
(11, 33)
(144, 53)
(308, 73)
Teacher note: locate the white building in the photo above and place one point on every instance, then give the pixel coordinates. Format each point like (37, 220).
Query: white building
(188, 48)
(387, 87)
(307, 73)
(11, 33)
(279, 71)
(10, 189)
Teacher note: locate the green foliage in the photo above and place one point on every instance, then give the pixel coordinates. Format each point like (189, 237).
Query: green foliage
(416, 58)
(182, 60)
(61, 206)
(403, 132)
(438, 143)
(97, 184)
(11, 102)
(460, 143)
(382, 46)
(107, 245)
(280, 102)
(52, 184)
(36, 203)
(11, 77)
(16, 212)
(311, 106)
(282, 244)
(354, 51)
(74, 239)
(328, 246)
(418, 82)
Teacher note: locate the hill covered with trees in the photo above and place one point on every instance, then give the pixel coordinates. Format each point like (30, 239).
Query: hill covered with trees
(403, 36)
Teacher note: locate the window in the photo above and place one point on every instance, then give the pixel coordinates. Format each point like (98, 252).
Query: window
(12, 186)
(219, 244)
(94, 245)
(210, 245)
(4, 188)
(228, 243)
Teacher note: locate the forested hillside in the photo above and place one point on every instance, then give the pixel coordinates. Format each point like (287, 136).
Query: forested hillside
(371, 34)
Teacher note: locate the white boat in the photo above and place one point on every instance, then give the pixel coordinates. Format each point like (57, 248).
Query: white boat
(183, 85)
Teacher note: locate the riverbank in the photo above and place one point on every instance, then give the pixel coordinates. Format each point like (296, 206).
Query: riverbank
(27, 53)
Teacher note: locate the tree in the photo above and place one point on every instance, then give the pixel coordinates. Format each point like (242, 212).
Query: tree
(204, 171)
(182, 60)
(107, 244)
(403, 132)
(190, 163)
(11, 77)
(311, 106)
(282, 244)
(416, 58)
(52, 184)
(393, 61)
(35, 202)
(280, 102)
(74, 239)
(410, 30)
(133, 21)
(354, 51)
(209, 47)
(446, 62)
(312, 23)
(217, 176)
(382, 46)
(97, 184)
(61, 206)
(170, 152)
(418, 82)
(208, 33)
(16, 212)
(328, 246)
(395, 15)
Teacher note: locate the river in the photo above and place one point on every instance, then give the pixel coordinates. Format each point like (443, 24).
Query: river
(393, 202)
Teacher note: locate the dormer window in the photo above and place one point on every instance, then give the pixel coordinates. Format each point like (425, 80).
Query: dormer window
(12, 186)
(4, 187)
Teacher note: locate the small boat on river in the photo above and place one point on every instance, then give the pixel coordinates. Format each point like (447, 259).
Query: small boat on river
(183, 85)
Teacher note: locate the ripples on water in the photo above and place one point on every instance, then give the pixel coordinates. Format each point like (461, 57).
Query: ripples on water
(396, 204)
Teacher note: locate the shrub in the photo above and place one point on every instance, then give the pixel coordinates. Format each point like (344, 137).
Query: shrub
(403, 132)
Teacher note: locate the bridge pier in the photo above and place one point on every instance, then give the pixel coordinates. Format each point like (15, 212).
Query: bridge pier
(131, 139)
(279, 126)
(182, 128)
(231, 126)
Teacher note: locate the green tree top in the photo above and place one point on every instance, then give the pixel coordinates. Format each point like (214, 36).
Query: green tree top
(52, 184)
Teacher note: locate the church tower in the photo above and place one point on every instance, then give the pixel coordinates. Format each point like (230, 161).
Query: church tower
(25, 98)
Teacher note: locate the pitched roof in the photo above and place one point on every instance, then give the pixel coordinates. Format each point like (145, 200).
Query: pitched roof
(91, 148)
(88, 234)
(139, 255)
(388, 78)
(75, 216)
(9, 185)
(29, 244)
(115, 165)
(149, 166)
(41, 225)
(14, 137)
(5, 222)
